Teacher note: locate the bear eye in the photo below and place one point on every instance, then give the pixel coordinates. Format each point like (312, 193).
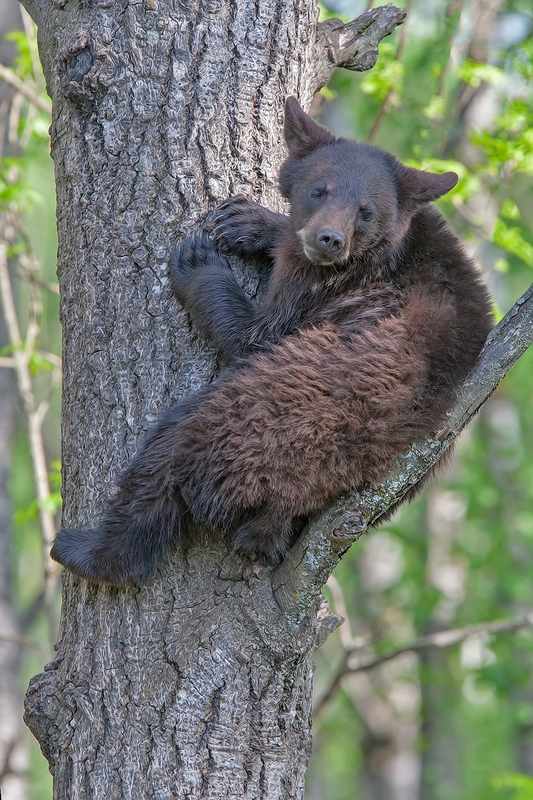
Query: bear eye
(366, 214)
(319, 191)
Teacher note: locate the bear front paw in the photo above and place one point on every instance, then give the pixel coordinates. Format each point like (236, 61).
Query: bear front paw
(239, 226)
(196, 251)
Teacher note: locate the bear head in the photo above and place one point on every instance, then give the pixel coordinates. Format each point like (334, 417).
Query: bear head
(347, 198)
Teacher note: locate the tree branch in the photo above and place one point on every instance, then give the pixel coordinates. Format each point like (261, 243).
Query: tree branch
(439, 639)
(354, 45)
(13, 79)
(299, 578)
(24, 641)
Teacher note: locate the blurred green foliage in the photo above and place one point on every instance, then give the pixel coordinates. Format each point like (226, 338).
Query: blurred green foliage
(27, 198)
(520, 787)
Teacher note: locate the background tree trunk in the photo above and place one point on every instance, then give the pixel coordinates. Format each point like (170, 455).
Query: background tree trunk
(195, 684)
(13, 748)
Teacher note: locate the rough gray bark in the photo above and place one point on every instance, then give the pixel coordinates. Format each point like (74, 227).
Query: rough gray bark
(198, 683)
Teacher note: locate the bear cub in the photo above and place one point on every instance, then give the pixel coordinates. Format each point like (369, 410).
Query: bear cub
(373, 316)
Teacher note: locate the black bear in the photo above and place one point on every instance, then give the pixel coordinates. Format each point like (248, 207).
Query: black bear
(373, 316)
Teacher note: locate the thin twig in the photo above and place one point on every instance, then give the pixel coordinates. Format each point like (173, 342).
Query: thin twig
(35, 9)
(5, 768)
(438, 640)
(447, 638)
(339, 607)
(13, 79)
(27, 268)
(387, 102)
(27, 130)
(24, 641)
(47, 286)
(4, 111)
(30, 30)
(14, 120)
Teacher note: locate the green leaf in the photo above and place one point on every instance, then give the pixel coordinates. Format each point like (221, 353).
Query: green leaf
(514, 117)
(23, 63)
(501, 265)
(386, 77)
(327, 93)
(14, 191)
(435, 109)
(54, 476)
(521, 60)
(38, 363)
(27, 514)
(16, 249)
(511, 146)
(511, 239)
(52, 503)
(327, 13)
(8, 349)
(510, 209)
(475, 73)
(521, 786)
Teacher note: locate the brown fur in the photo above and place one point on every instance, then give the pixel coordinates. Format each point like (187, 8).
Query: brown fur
(372, 317)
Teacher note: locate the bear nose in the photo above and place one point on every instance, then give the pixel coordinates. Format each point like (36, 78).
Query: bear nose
(330, 241)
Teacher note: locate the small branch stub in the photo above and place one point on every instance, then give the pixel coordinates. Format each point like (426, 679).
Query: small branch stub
(354, 45)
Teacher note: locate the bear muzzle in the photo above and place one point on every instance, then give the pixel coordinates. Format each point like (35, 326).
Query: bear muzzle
(325, 246)
(330, 242)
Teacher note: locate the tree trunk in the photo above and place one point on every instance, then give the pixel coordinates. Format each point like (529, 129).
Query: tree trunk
(195, 684)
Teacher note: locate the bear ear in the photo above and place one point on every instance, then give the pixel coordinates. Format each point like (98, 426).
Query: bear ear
(423, 187)
(301, 133)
